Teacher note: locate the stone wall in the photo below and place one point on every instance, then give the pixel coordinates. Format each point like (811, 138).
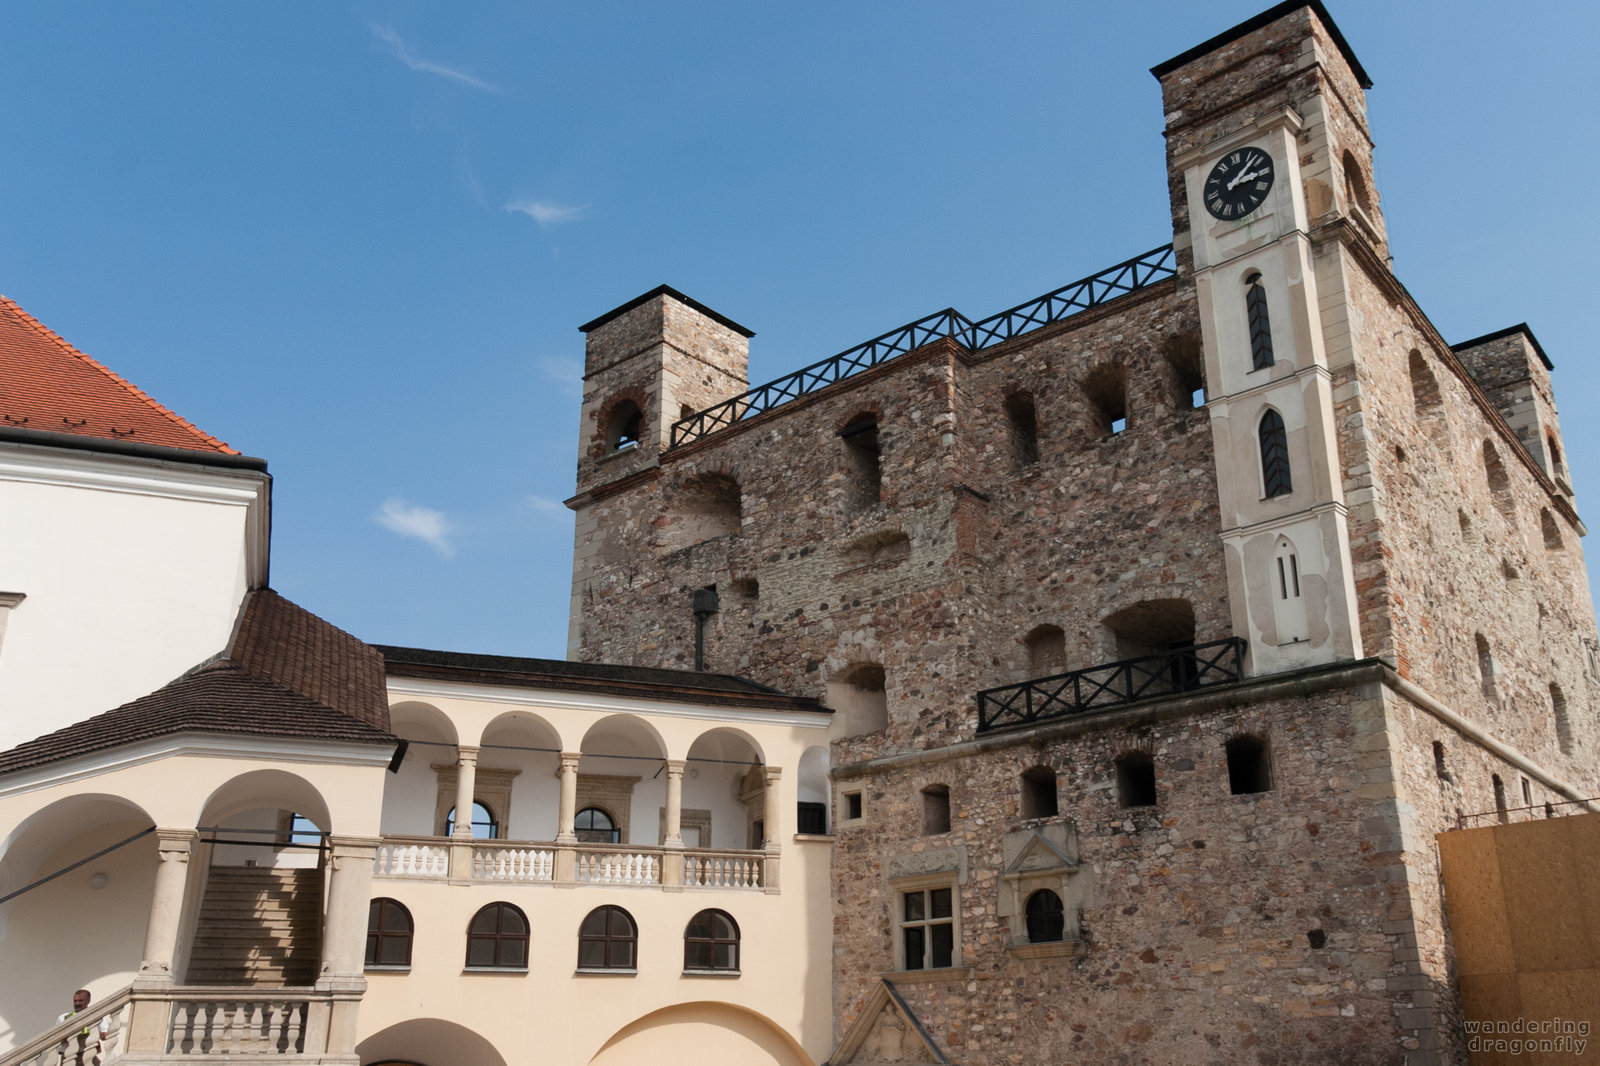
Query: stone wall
(967, 549)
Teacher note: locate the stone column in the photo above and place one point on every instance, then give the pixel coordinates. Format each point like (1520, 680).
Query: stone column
(344, 939)
(770, 822)
(674, 834)
(466, 785)
(147, 1021)
(566, 815)
(672, 864)
(173, 848)
(461, 832)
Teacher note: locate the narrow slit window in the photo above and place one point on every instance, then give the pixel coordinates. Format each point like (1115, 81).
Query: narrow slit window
(1275, 477)
(1255, 301)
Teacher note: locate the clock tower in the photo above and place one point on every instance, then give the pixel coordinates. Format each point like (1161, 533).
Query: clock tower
(1272, 205)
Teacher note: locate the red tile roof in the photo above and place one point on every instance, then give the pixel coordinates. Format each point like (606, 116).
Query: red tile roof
(48, 385)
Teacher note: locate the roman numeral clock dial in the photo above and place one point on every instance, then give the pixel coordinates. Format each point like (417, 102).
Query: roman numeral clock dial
(1238, 184)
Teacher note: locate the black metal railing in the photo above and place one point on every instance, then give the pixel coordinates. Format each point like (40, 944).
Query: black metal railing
(1131, 275)
(1096, 688)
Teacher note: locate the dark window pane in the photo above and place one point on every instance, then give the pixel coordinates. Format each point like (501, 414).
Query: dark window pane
(944, 939)
(395, 952)
(594, 924)
(485, 920)
(512, 923)
(591, 954)
(619, 923)
(514, 952)
(697, 956)
(914, 949)
(1046, 917)
(395, 920)
(725, 958)
(914, 908)
(941, 902)
(480, 952)
(622, 954)
(372, 948)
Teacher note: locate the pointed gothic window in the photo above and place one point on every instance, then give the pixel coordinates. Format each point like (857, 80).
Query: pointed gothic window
(1255, 302)
(1275, 479)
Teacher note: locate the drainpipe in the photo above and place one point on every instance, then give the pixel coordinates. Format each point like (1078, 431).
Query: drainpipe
(705, 605)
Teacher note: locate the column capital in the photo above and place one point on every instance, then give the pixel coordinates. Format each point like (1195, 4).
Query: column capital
(770, 774)
(466, 753)
(354, 847)
(676, 766)
(569, 760)
(173, 842)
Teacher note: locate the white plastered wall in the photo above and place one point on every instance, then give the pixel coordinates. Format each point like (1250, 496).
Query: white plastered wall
(133, 572)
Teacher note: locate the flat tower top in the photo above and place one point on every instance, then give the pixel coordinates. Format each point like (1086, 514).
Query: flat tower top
(1267, 17)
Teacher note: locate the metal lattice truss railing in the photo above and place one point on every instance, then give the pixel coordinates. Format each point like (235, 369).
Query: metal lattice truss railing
(1128, 276)
(1112, 684)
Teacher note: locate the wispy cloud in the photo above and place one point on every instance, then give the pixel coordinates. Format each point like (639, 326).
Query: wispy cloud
(565, 371)
(433, 528)
(546, 214)
(398, 49)
(546, 507)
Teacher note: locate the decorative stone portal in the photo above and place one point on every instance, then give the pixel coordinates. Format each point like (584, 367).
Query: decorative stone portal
(886, 1032)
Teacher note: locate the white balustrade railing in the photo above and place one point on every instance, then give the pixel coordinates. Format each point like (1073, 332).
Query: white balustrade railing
(248, 1025)
(722, 869)
(497, 863)
(400, 857)
(542, 862)
(635, 866)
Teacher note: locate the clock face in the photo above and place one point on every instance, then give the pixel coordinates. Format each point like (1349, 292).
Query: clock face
(1239, 183)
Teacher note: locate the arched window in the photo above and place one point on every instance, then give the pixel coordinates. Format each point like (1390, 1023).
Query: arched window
(389, 930)
(1275, 478)
(624, 426)
(595, 826)
(711, 943)
(485, 826)
(1255, 302)
(498, 938)
(1424, 386)
(608, 940)
(1136, 779)
(1558, 707)
(1039, 793)
(935, 810)
(1249, 765)
(1047, 918)
(1024, 428)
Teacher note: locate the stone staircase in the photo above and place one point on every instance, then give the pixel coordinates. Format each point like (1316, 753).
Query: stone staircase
(258, 926)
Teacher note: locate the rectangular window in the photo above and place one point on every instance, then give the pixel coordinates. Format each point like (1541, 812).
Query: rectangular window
(852, 805)
(928, 928)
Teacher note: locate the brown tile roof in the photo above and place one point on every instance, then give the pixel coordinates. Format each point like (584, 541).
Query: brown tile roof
(49, 386)
(288, 644)
(219, 697)
(681, 686)
(286, 673)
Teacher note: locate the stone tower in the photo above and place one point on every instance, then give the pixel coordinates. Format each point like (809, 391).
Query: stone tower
(1166, 617)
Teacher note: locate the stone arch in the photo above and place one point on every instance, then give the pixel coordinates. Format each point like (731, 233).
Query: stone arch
(621, 755)
(863, 459)
(859, 696)
(1105, 387)
(264, 789)
(1046, 647)
(1150, 627)
(1494, 472)
(1356, 188)
(812, 791)
(411, 793)
(1185, 363)
(703, 507)
(717, 1032)
(519, 760)
(83, 929)
(620, 423)
(1277, 477)
(723, 801)
(428, 1042)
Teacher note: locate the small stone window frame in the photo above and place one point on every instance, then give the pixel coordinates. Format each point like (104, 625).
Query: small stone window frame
(1038, 860)
(490, 786)
(932, 889)
(852, 810)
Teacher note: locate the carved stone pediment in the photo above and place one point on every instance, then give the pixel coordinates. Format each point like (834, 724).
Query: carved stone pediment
(885, 1034)
(1048, 847)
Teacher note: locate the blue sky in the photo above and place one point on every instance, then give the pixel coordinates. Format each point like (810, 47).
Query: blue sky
(356, 239)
